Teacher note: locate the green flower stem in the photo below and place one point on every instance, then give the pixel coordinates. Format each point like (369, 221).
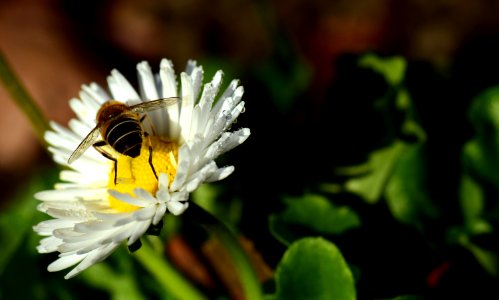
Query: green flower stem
(22, 98)
(169, 278)
(247, 275)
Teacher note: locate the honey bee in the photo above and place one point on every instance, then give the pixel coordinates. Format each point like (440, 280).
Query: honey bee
(120, 127)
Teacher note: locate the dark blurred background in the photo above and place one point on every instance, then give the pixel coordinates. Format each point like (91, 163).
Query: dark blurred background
(307, 103)
(285, 51)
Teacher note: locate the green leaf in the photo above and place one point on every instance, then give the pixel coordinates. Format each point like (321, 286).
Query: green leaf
(405, 192)
(484, 111)
(472, 204)
(371, 186)
(477, 160)
(478, 226)
(17, 220)
(314, 213)
(392, 68)
(14, 223)
(313, 268)
(488, 259)
(410, 127)
(481, 153)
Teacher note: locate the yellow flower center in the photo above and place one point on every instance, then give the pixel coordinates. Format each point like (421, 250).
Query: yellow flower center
(137, 172)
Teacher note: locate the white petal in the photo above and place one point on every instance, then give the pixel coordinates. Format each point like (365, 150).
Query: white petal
(89, 185)
(162, 182)
(147, 85)
(48, 244)
(177, 208)
(163, 196)
(112, 217)
(196, 74)
(217, 123)
(169, 89)
(127, 198)
(80, 129)
(168, 81)
(69, 235)
(199, 177)
(122, 233)
(182, 169)
(48, 226)
(139, 230)
(170, 127)
(160, 212)
(84, 113)
(228, 93)
(103, 94)
(93, 226)
(84, 178)
(65, 132)
(73, 194)
(187, 106)
(97, 92)
(220, 174)
(62, 143)
(181, 196)
(231, 89)
(145, 195)
(195, 127)
(234, 114)
(146, 213)
(227, 142)
(149, 91)
(88, 100)
(65, 262)
(91, 163)
(82, 247)
(121, 89)
(202, 110)
(91, 258)
(70, 213)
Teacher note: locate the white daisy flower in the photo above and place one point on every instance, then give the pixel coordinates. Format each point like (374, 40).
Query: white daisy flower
(91, 214)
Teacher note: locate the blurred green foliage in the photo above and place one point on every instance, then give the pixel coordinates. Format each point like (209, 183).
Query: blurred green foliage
(313, 268)
(296, 220)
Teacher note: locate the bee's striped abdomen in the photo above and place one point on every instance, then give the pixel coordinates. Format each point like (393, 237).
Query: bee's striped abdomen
(125, 136)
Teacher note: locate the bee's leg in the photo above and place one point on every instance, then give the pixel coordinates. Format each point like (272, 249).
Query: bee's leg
(150, 123)
(150, 155)
(97, 147)
(150, 162)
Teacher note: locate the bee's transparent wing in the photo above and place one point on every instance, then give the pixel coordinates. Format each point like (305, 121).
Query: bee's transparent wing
(154, 104)
(83, 146)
